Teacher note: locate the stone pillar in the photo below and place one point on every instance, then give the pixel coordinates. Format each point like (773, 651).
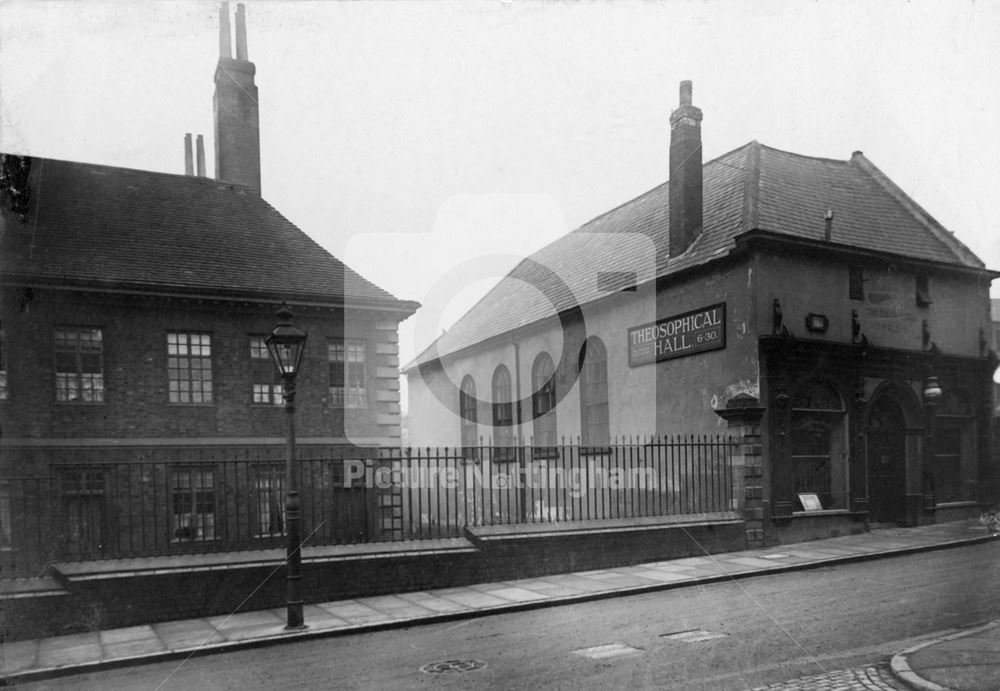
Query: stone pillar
(743, 414)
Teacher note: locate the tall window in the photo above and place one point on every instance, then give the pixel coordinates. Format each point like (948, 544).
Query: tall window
(818, 444)
(953, 448)
(270, 505)
(266, 389)
(346, 363)
(543, 403)
(594, 425)
(3, 365)
(467, 411)
(856, 283)
(189, 367)
(79, 365)
(503, 413)
(193, 503)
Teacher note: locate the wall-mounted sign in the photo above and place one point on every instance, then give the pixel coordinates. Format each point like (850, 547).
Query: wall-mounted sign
(685, 334)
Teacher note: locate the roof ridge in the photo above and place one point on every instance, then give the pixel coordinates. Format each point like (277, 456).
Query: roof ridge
(126, 169)
(946, 237)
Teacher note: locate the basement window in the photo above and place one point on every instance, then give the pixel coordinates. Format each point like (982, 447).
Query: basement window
(923, 292)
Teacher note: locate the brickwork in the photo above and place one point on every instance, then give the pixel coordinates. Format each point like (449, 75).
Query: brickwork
(134, 364)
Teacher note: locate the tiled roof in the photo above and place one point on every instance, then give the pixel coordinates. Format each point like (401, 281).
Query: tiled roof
(754, 187)
(93, 225)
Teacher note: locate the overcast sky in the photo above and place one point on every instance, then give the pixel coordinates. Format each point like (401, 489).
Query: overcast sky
(410, 138)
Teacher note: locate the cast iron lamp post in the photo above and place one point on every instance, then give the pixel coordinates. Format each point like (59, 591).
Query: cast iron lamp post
(286, 345)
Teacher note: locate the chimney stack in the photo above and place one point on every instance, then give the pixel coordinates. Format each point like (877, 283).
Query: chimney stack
(237, 117)
(200, 151)
(188, 164)
(685, 173)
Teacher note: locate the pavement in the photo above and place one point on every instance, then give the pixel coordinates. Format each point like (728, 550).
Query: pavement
(966, 660)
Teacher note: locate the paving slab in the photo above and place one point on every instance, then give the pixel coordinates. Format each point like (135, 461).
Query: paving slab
(191, 633)
(434, 603)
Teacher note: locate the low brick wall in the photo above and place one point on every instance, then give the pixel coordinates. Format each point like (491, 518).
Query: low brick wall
(116, 599)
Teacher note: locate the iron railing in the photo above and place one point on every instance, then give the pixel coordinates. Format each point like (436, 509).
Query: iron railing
(142, 509)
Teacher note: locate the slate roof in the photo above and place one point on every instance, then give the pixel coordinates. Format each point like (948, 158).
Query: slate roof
(101, 226)
(754, 187)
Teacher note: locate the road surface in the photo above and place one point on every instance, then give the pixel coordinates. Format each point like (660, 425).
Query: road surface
(737, 635)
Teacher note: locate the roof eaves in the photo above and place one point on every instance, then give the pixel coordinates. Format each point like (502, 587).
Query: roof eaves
(946, 237)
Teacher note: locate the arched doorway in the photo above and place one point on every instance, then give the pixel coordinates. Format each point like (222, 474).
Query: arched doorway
(886, 461)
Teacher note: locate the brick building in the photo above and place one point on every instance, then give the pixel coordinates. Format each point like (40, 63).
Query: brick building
(811, 293)
(133, 376)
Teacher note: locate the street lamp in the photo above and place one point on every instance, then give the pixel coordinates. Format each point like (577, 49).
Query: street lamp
(286, 345)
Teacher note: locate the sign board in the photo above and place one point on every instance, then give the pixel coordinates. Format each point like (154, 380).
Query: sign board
(810, 502)
(684, 334)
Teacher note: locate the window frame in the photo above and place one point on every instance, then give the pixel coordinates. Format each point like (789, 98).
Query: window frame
(594, 404)
(543, 407)
(468, 417)
(177, 526)
(266, 387)
(344, 395)
(502, 409)
(269, 501)
(68, 343)
(206, 385)
(834, 494)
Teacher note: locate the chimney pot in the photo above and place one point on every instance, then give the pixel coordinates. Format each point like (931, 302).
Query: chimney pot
(241, 33)
(225, 40)
(686, 92)
(200, 150)
(188, 164)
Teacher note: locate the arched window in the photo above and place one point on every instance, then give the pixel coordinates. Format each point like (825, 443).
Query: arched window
(543, 404)
(503, 413)
(467, 411)
(594, 425)
(819, 458)
(954, 448)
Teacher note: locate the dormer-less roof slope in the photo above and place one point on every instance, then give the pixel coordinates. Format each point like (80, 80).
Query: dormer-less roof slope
(93, 226)
(754, 187)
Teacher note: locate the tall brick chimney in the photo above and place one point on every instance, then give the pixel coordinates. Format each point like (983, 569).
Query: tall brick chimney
(237, 126)
(685, 174)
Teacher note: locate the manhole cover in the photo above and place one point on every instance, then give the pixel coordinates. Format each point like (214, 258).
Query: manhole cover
(692, 636)
(610, 650)
(452, 666)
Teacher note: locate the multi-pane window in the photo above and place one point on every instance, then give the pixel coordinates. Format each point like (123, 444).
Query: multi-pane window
(270, 505)
(953, 440)
(503, 413)
(189, 367)
(193, 504)
(817, 444)
(346, 364)
(3, 365)
(79, 365)
(543, 403)
(594, 423)
(266, 390)
(467, 412)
